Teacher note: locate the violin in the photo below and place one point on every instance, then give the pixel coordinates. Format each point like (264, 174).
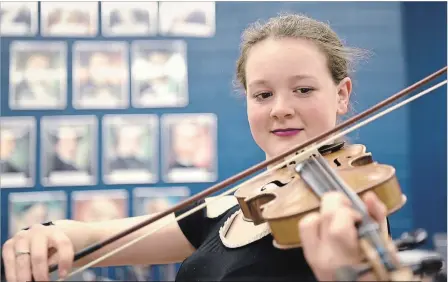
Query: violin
(290, 189)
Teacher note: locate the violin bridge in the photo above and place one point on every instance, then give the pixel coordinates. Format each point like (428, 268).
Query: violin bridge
(299, 157)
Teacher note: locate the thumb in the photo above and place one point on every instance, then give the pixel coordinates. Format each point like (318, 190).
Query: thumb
(309, 234)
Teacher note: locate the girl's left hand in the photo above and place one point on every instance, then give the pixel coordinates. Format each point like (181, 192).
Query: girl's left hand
(329, 237)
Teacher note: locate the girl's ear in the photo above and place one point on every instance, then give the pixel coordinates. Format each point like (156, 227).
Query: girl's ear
(344, 91)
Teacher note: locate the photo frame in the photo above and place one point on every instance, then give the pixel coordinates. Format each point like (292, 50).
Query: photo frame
(130, 149)
(69, 19)
(129, 18)
(38, 75)
(28, 208)
(150, 200)
(17, 152)
(98, 205)
(189, 144)
(100, 75)
(187, 19)
(68, 150)
(18, 18)
(159, 74)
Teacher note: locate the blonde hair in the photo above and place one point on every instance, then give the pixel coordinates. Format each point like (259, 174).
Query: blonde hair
(340, 59)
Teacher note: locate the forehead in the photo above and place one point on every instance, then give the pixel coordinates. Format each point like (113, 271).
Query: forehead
(280, 59)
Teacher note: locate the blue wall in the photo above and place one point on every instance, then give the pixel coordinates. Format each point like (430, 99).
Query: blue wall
(407, 45)
(426, 42)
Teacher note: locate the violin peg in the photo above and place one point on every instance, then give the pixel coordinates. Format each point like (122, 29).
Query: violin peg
(411, 240)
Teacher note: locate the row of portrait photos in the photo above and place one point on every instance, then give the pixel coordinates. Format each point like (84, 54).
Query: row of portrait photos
(28, 208)
(129, 149)
(72, 19)
(100, 76)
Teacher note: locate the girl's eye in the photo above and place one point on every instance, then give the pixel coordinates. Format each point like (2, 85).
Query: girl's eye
(304, 90)
(263, 95)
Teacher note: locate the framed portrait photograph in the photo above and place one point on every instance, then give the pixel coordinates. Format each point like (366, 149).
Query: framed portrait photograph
(134, 273)
(69, 19)
(189, 146)
(28, 208)
(100, 75)
(167, 272)
(68, 150)
(159, 74)
(18, 18)
(130, 149)
(150, 200)
(38, 75)
(129, 18)
(17, 152)
(90, 274)
(98, 205)
(192, 19)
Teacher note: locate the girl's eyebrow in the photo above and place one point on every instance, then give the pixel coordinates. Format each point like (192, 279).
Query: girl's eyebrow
(262, 82)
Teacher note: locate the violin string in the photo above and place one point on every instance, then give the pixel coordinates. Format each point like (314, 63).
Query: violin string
(368, 228)
(276, 167)
(340, 185)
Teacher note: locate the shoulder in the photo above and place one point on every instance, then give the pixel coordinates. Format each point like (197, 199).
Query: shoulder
(200, 224)
(217, 206)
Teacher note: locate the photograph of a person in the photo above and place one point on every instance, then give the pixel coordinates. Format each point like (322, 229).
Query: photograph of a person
(189, 147)
(69, 19)
(159, 74)
(18, 18)
(17, 152)
(68, 150)
(135, 273)
(130, 149)
(28, 208)
(192, 19)
(100, 75)
(150, 200)
(37, 75)
(129, 18)
(98, 205)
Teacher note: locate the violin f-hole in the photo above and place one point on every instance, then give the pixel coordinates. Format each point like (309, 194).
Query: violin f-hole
(336, 161)
(276, 182)
(363, 160)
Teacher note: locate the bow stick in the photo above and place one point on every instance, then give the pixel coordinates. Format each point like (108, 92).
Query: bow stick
(217, 187)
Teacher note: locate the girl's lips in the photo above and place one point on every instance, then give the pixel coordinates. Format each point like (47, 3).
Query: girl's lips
(286, 132)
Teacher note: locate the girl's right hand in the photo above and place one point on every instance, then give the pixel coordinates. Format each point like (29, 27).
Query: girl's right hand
(29, 253)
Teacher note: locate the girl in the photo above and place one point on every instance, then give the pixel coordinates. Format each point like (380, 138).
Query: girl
(295, 75)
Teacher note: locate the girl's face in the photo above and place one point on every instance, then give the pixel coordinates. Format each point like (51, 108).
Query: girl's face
(291, 96)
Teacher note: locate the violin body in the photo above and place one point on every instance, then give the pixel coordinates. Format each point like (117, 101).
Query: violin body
(291, 199)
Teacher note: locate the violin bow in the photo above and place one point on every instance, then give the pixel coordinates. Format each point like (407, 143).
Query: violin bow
(264, 164)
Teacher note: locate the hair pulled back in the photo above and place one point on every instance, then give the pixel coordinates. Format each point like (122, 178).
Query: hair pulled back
(340, 59)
